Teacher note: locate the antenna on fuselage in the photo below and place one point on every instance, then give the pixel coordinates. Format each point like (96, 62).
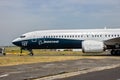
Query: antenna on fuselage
(105, 27)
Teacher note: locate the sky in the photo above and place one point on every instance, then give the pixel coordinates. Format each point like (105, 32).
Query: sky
(21, 16)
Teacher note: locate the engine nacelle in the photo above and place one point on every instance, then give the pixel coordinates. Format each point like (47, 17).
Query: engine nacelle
(89, 46)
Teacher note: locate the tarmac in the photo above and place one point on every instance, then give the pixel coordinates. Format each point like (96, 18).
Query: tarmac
(107, 74)
(63, 69)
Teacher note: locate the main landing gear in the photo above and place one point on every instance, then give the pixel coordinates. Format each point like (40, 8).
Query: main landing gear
(30, 52)
(115, 52)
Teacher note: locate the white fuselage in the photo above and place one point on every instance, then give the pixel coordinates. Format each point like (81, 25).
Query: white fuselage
(50, 39)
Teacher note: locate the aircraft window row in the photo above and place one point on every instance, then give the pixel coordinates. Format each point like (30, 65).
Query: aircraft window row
(116, 35)
(77, 36)
(65, 36)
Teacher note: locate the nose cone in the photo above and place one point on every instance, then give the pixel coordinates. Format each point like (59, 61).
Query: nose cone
(16, 42)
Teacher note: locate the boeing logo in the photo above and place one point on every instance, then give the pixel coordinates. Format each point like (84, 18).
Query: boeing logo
(48, 42)
(51, 41)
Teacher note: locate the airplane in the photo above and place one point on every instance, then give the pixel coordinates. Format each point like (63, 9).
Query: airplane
(89, 40)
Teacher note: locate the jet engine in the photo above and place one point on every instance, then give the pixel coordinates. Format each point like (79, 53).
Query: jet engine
(89, 46)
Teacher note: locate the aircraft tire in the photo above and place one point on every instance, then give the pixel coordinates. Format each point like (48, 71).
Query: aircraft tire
(113, 52)
(4, 54)
(31, 54)
(117, 52)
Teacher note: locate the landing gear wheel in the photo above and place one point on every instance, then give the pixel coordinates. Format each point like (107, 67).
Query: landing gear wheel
(4, 54)
(31, 54)
(117, 52)
(113, 52)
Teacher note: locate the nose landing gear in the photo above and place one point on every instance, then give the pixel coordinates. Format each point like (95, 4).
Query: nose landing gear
(30, 52)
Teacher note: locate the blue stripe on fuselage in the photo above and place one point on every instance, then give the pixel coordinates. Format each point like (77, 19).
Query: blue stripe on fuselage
(49, 43)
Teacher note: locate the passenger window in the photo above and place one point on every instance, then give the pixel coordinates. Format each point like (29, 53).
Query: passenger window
(112, 35)
(118, 35)
(87, 36)
(105, 35)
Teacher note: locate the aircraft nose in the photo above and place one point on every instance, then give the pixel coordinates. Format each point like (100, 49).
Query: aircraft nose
(15, 41)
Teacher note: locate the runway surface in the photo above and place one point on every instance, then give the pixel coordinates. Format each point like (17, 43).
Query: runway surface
(41, 70)
(109, 74)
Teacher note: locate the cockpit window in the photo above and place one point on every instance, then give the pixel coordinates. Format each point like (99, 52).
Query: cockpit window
(23, 36)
